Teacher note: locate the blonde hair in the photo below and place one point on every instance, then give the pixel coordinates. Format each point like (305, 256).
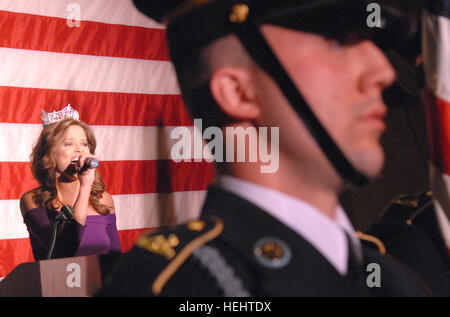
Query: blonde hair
(43, 166)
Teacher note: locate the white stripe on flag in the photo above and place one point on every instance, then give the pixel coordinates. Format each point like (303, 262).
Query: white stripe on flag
(111, 12)
(114, 143)
(436, 44)
(440, 183)
(144, 210)
(37, 69)
(135, 211)
(11, 226)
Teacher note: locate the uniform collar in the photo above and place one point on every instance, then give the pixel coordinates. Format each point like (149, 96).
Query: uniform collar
(324, 234)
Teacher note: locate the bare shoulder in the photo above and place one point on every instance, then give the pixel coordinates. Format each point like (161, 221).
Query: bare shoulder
(26, 201)
(108, 201)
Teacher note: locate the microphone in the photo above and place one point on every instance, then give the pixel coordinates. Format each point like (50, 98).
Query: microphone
(91, 163)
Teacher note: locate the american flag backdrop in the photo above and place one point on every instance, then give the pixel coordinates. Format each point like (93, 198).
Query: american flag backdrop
(436, 51)
(113, 67)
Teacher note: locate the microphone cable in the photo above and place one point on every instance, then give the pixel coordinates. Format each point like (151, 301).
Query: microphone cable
(66, 213)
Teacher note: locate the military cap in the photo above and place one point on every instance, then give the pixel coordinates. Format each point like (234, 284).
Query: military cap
(195, 23)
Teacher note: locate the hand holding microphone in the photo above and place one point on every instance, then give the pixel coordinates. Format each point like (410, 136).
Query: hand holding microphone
(86, 169)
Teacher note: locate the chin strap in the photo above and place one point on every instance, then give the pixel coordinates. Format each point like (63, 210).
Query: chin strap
(258, 48)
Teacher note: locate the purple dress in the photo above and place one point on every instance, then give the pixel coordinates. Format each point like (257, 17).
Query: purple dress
(98, 236)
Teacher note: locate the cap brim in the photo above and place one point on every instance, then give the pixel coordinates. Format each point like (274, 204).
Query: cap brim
(343, 20)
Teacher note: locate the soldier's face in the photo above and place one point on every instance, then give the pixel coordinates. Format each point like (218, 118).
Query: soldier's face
(343, 86)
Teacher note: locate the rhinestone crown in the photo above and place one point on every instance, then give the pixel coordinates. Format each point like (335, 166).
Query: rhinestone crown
(55, 116)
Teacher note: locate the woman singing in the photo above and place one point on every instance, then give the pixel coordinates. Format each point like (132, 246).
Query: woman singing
(58, 163)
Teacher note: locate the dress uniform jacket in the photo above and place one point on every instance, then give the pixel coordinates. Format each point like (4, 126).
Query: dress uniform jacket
(237, 249)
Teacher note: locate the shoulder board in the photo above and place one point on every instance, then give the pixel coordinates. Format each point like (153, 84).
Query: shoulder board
(176, 245)
(168, 241)
(405, 208)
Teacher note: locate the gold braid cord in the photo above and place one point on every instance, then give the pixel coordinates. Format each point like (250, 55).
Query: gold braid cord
(184, 254)
(373, 239)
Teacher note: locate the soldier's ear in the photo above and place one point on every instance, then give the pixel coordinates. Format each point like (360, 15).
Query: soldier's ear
(233, 91)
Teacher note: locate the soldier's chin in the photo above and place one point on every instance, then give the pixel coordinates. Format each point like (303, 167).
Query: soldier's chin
(371, 163)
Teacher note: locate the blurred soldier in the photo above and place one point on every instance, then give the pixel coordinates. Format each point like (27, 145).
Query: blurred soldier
(415, 228)
(311, 69)
(412, 231)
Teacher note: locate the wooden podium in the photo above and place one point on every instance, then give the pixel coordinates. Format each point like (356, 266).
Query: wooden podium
(67, 277)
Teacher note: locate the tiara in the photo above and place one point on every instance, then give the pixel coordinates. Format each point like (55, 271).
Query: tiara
(55, 116)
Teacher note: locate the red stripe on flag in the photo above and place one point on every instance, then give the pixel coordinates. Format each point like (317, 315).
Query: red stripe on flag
(13, 252)
(120, 177)
(438, 128)
(15, 179)
(43, 33)
(96, 108)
